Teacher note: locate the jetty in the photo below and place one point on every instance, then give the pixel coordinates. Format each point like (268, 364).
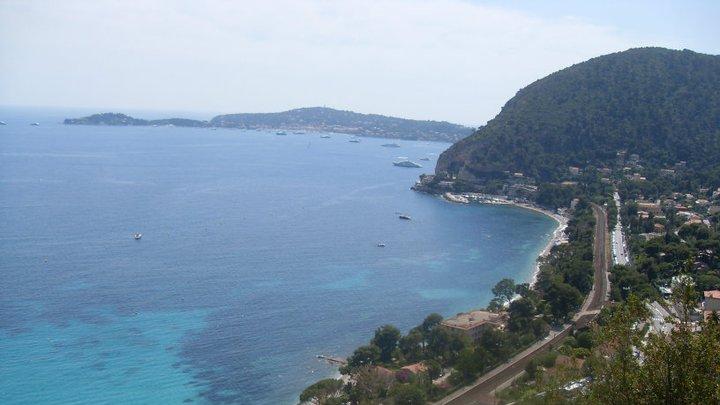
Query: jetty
(332, 359)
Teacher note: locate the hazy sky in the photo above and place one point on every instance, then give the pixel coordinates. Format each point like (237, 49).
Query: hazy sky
(449, 60)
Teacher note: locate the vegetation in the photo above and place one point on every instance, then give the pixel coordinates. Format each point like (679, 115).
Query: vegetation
(659, 103)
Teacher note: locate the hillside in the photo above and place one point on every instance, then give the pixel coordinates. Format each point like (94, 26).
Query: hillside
(126, 120)
(305, 119)
(663, 105)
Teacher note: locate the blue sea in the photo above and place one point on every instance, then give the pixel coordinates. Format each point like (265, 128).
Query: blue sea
(258, 253)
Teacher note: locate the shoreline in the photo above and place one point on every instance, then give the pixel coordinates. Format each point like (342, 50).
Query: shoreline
(557, 237)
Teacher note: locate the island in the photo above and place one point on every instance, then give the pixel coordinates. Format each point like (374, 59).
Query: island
(301, 120)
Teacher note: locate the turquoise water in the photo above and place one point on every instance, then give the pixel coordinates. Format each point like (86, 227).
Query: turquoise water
(259, 252)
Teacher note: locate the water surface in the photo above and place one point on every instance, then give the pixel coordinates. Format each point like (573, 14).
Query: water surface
(259, 252)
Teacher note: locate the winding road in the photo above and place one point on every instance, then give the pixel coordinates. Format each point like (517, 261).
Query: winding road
(481, 392)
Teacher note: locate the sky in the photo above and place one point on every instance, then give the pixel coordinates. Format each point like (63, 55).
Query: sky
(453, 60)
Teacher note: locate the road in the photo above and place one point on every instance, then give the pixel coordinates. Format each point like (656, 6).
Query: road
(481, 392)
(620, 252)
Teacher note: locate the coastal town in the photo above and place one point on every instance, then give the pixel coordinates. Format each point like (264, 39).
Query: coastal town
(649, 242)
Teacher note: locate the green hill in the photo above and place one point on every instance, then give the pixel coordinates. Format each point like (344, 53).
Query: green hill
(661, 104)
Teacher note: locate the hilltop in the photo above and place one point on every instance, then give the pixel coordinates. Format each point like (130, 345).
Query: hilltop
(661, 105)
(306, 119)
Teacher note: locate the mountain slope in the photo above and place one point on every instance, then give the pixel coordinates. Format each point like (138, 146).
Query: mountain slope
(661, 104)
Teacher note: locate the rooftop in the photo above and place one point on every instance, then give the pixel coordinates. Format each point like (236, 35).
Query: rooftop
(712, 294)
(472, 319)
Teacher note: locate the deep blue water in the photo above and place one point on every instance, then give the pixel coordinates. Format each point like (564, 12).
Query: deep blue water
(259, 252)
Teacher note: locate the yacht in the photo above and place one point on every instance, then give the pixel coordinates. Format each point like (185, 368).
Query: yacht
(299, 132)
(354, 140)
(425, 158)
(325, 136)
(390, 145)
(137, 236)
(3, 123)
(406, 163)
(405, 217)
(280, 133)
(35, 124)
(380, 244)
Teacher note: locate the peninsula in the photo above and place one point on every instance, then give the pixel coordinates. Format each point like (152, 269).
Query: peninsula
(319, 119)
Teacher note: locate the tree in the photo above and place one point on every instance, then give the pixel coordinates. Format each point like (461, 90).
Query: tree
(386, 339)
(563, 298)
(504, 289)
(521, 313)
(431, 321)
(322, 391)
(411, 345)
(363, 356)
(408, 394)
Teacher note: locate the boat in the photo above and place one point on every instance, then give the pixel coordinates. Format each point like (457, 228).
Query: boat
(35, 124)
(354, 140)
(390, 145)
(425, 158)
(405, 217)
(406, 163)
(3, 123)
(380, 244)
(280, 133)
(299, 132)
(137, 236)
(325, 136)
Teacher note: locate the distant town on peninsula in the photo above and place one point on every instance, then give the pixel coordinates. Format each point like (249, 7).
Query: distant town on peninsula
(319, 119)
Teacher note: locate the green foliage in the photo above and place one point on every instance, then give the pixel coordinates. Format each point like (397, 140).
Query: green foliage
(504, 289)
(386, 339)
(408, 394)
(322, 391)
(659, 103)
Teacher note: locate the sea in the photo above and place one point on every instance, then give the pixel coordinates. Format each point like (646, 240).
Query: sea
(258, 253)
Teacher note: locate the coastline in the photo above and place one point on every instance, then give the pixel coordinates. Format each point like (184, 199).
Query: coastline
(557, 237)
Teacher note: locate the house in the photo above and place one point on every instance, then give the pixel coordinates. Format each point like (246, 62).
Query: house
(472, 324)
(711, 302)
(415, 368)
(649, 206)
(658, 228)
(574, 170)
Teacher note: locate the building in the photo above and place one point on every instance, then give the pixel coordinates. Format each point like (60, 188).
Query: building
(415, 368)
(474, 323)
(711, 302)
(649, 206)
(574, 170)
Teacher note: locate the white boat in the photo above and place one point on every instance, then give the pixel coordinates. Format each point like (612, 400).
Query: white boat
(354, 140)
(137, 236)
(390, 145)
(325, 136)
(280, 133)
(425, 158)
(3, 123)
(35, 124)
(406, 163)
(380, 244)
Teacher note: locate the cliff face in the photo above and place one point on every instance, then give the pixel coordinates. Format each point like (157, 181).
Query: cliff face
(661, 104)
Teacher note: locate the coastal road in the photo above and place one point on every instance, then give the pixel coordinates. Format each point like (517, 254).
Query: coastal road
(620, 252)
(481, 392)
